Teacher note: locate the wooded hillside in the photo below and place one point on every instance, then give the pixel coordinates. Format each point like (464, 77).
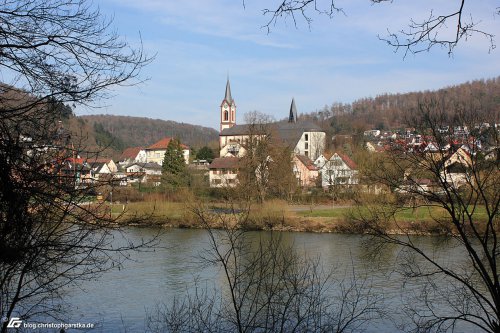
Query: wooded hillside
(139, 131)
(388, 111)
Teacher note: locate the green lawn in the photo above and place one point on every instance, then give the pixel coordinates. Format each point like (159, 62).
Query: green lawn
(404, 215)
(339, 213)
(175, 210)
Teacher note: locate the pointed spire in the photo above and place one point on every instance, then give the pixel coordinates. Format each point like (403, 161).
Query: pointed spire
(228, 96)
(292, 118)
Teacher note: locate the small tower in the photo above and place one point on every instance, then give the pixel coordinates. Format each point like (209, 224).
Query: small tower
(227, 109)
(292, 118)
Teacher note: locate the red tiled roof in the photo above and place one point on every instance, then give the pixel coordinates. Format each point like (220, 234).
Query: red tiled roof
(224, 163)
(163, 143)
(130, 153)
(350, 163)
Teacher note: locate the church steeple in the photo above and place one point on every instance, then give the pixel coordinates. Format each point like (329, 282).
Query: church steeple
(292, 118)
(228, 96)
(227, 109)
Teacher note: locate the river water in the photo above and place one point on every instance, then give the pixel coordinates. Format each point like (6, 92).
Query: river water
(119, 300)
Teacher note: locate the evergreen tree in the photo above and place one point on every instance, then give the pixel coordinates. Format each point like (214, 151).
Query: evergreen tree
(205, 153)
(174, 171)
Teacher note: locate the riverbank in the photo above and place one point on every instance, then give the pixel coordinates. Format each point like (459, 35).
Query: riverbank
(279, 216)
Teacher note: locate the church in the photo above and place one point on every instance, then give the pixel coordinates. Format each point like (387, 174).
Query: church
(302, 137)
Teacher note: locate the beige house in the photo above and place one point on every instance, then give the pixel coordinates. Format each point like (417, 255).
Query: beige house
(305, 171)
(455, 168)
(223, 172)
(156, 152)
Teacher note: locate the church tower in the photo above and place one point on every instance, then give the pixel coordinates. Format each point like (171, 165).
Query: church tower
(227, 109)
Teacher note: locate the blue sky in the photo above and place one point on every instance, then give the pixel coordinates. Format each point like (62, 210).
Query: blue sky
(199, 42)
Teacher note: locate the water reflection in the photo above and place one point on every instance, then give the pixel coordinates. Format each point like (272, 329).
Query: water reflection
(120, 298)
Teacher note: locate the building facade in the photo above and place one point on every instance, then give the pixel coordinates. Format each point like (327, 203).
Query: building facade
(337, 169)
(156, 152)
(223, 172)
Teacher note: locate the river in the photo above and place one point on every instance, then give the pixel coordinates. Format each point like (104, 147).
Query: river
(119, 300)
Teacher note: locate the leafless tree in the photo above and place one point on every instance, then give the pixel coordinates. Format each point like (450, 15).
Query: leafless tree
(268, 287)
(65, 50)
(53, 53)
(438, 29)
(266, 168)
(458, 186)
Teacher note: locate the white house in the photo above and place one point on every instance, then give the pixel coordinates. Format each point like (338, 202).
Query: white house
(143, 172)
(103, 167)
(131, 155)
(156, 152)
(337, 169)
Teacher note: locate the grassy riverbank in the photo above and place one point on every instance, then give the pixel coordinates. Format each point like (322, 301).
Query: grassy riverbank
(278, 215)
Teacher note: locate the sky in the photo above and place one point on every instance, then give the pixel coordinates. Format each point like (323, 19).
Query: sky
(198, 44)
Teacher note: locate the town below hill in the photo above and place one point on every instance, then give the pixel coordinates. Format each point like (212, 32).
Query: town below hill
(387, 113)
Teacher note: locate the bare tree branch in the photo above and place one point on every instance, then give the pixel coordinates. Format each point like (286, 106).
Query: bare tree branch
(421, 35)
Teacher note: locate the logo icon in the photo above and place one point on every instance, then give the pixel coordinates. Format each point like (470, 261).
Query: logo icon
(14, 322)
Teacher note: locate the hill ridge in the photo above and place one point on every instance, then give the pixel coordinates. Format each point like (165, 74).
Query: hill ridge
(142, 131)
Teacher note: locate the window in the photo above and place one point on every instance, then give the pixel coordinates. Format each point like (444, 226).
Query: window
(226, 115)
(306, 136)
(232, 115)
(306, 153)
(306, 146)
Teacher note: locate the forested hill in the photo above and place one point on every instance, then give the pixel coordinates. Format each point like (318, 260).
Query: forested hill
(139, 131)
(389, 111)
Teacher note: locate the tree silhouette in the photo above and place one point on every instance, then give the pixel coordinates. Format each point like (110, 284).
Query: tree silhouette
(53, 54)
(446, 29)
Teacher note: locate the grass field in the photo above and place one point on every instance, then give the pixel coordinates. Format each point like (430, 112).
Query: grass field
(403, 215)
(277, 212)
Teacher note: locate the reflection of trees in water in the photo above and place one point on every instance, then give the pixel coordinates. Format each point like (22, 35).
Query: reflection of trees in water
(270, 277)
(269, 286)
